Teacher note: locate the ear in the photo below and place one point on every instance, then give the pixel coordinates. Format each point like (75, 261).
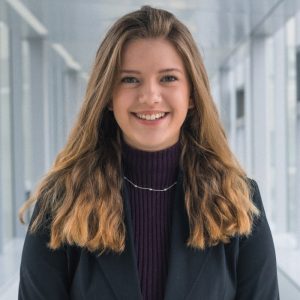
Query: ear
(191, 99)
(110, 106)
(191, 102)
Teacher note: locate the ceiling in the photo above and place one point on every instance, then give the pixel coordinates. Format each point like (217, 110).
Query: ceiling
(219, 26)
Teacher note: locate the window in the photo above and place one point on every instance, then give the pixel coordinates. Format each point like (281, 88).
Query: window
(240, 103)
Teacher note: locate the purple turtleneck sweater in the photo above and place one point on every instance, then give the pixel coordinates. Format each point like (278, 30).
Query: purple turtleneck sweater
(151, 212)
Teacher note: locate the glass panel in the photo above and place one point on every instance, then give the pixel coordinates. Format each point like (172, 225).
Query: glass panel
(298, 73)
(6, 218)
(271, 128)
(291, 123)
(27, 111)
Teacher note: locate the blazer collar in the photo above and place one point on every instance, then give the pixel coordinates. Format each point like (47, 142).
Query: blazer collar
(121, 269)
(185, 264)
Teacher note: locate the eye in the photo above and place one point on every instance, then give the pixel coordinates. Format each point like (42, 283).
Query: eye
(169, 78)
(129, 80)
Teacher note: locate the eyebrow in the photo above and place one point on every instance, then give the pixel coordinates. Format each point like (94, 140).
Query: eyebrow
(161, 71)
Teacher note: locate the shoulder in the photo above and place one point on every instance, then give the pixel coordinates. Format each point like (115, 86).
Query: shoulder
(256, 196)
(256, 264)
(260, 233)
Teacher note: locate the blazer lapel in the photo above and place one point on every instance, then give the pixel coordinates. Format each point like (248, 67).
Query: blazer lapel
(121, 269)
(185, 264)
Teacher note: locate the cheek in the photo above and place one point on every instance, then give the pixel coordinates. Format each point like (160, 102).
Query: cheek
(123, 98)
(180, 93)
(121, 110)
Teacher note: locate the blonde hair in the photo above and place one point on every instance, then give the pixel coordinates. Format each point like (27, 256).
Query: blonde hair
(80, 196)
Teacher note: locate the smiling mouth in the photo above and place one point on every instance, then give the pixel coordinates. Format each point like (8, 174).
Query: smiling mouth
(151, 117)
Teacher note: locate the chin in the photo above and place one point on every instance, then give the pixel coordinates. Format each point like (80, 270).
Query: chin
(157, 146)
(145, 145)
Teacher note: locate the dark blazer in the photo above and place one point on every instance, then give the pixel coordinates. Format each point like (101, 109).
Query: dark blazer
(244, 269)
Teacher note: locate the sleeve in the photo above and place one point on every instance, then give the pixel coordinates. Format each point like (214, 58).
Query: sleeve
(43, 272)
(256, 268)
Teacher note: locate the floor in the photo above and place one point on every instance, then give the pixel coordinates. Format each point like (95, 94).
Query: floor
(9, 264)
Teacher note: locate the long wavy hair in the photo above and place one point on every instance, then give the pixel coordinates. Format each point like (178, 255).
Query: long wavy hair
(81, 193)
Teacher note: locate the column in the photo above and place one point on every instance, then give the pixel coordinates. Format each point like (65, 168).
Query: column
(39, 114)
(281, 141)
(18, 184)
(259, 118)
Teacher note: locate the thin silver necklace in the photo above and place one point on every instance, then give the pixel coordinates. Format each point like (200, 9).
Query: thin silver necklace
(149, 189)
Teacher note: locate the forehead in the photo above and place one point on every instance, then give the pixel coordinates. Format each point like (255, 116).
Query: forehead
(151, 52)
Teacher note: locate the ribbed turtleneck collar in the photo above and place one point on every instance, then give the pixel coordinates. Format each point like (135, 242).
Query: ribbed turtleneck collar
(157, 169)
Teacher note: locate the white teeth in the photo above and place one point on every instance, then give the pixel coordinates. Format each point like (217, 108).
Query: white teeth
(150, 117)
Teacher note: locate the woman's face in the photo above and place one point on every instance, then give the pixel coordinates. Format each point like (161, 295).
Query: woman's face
(152, 96)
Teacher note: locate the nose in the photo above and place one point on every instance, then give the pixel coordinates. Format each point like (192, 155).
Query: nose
(150, 93)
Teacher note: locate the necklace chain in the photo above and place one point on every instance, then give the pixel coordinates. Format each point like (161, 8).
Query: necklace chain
(150, 189)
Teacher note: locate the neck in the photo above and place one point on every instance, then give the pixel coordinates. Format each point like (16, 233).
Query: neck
(156, 170)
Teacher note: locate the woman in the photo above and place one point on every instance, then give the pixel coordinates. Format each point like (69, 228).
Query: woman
(146, 200)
